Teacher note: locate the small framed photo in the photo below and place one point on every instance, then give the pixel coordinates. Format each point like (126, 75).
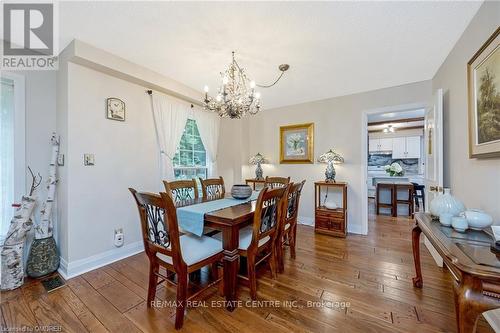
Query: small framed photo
(115, 109)
(297, 143)
(483, 83)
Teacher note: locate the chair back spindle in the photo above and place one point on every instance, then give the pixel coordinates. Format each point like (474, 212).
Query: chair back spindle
(268, 212)
(181, 190)
(276, 182)
(213, 187)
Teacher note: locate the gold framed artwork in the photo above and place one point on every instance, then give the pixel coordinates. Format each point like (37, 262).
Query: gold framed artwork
(297, 143)
(483, 84)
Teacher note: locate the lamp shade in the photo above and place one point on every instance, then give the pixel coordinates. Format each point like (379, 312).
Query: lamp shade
(258, 159)
(331, 156)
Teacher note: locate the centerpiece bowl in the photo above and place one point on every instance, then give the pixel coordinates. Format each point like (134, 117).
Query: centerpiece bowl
(241, 191)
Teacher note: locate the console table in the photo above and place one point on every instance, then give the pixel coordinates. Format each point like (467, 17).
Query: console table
(475, 269)
(255, 181)
(330, 221)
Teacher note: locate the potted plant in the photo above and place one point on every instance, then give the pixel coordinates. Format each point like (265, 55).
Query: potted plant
(394, 169)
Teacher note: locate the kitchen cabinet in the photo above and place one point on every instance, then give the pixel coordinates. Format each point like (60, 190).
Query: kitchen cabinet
(385, 144)
(406, 147)
(399, 147)
(413, 146)
(382, 144)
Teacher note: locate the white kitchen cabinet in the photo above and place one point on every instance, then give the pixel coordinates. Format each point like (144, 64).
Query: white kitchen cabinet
(413, 147)
(385, 144)
(406, 147)
(399, 147)
(382, 144)
(373, 145)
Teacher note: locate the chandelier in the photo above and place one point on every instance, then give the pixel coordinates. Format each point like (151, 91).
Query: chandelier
(237, 96)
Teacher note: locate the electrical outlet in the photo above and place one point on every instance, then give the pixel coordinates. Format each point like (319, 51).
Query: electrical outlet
(88, 159)
(119, 237)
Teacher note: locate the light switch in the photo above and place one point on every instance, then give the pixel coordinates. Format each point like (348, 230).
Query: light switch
(88, 159)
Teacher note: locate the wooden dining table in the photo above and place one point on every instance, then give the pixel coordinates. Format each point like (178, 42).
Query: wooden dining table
(229, 221)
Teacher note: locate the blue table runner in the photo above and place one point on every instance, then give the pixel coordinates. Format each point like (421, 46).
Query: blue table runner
(191, 218)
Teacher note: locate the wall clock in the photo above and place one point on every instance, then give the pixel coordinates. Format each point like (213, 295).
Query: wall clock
(115, 109)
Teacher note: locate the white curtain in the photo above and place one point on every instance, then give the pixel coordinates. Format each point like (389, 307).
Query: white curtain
(208, 125)
(170, 117)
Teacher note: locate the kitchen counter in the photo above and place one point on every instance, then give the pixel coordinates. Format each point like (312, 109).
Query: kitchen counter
(375, 177)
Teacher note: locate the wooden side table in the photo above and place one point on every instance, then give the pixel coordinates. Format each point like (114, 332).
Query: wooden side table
(254, 182)
(330, 221)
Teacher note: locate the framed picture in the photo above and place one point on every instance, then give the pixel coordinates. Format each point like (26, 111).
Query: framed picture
(483, 84)
(115, 109)
(297, 143)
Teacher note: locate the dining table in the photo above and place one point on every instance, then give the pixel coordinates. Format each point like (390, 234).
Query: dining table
(229, 221)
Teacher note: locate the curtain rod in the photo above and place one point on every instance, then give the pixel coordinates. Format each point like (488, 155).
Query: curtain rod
(150, 93)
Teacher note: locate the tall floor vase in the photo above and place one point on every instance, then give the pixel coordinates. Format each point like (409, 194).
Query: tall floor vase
(43, 258)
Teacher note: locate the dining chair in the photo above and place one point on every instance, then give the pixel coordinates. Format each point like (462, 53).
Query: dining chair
(180, 190)
(177, 254)
(213, 187)
(274, 182)
(287, 229)
(259, 238)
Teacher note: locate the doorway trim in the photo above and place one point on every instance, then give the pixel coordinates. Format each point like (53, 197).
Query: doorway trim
(364, 152)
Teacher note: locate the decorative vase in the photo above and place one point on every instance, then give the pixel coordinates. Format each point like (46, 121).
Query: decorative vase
(259, 174)
(330, 173)
(43, 257)
(459, 223)
(446, 203)
(477, 219)
(240, 191)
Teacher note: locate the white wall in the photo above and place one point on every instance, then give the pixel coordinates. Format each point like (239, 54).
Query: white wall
(126, 155)
(475, 181)
(338, 124)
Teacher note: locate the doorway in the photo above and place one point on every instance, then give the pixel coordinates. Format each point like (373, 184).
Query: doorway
(391, 136)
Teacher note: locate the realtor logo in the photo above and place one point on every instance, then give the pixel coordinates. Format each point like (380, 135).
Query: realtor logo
(28, 36)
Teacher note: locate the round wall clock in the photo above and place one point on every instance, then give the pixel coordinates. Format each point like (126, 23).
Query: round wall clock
(115, 109)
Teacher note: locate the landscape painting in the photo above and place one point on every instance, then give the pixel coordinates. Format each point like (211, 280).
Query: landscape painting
(296, 143)
(484, 99)
(487, 83)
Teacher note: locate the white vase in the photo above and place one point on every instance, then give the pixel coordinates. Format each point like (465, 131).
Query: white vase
(445, 203)
(477, 219)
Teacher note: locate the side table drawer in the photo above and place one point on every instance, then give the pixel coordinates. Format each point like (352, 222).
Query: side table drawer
(322, 223)
(337, 224)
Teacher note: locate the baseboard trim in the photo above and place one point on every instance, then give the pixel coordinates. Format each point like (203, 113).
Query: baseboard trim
(355, 229)
(71, 269)
(305, 220)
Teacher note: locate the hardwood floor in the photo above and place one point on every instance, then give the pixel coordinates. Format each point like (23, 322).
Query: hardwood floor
(356, 284)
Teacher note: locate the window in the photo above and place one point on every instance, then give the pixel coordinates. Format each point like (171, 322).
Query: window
(190, 160)
(12, 168)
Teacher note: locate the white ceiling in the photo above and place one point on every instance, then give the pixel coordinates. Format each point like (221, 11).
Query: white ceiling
(333, 48)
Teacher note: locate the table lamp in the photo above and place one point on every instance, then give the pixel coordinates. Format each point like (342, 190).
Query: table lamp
(258, 159)
(330, 157)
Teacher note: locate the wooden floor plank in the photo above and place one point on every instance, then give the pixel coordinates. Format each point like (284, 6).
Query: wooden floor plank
(120, 296)
(107, 314)
(17, 314)
(51, 309)
(91, 323)
(98, 278)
